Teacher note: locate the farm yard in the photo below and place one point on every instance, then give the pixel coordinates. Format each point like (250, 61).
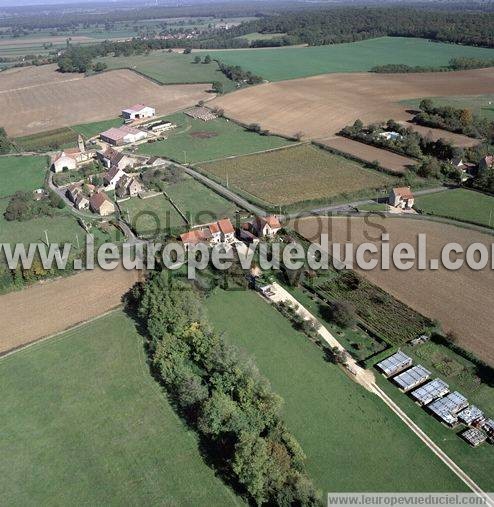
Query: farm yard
(171, 68)
(38, 99)
(99, 418)
(21, 174)
(436, 294)
(297, 174)
(350, 57)
(321, 106)
(387, 160)
(197, 141)
(460, 204)
(333, 418)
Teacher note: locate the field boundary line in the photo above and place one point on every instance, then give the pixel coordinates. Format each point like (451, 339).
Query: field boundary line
(43, 339)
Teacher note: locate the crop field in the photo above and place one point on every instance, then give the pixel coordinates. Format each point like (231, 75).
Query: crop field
(480, 105)
(84, 406)
(458, 140)
(49, 140)
(198, 202)
(149, 217)
(21, 174)
(352, 441)
(387, 160)
(321, 106)
(460, 204)
(460, 300)
(89, 130)
(171, 68)
(350, 57)
(198, 141)
(260, 36)
(38, 99)
(308, 173)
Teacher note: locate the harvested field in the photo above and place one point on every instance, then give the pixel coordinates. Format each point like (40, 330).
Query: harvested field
(54, 306)
(461, 300)
(320, 106)
(39, 99)
(387, 160)
(458, 140)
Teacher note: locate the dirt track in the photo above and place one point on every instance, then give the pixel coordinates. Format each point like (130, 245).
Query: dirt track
(461, 300)
(39, 98)
(320, 106)
(50, 307)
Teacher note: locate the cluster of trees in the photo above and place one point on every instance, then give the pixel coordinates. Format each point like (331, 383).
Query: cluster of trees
(5, 144)
(453, 119)
(158, 179)
(401, 68)
(222, 395)
(464, 63)
(239, 75)
(22, 206)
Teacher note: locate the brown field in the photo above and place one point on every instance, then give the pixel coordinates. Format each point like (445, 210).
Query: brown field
(322, 105)
(41, 40)
(455, 139)
(461, 300)
(50, 307)
(388, 160)
(39, 98)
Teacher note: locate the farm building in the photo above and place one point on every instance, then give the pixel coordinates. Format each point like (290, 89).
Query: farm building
(137, 112)
(63, 162)
(155, 161)
(111, 157)
(266, 226)
(76, 195)
(447, 408)
(401, 197)
(471, 416)
(391, 136)
(201, 113)
(215, 233)
(112, 177)
(101, 204)
(412, 378)
(122, 135)
(430, 391)
(395, 364)
(128, 185)
(488, 427)
(474, 436)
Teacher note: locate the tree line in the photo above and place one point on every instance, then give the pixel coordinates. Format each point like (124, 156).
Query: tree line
(222, 395)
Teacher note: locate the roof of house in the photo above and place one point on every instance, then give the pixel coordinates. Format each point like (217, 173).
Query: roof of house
(214, 228)
(404, 192)
(97, 200)
(80, 198)
(195, 236)
(112, 172)
(66, 154)
(225, 226)
(135, 108)
(119, 133)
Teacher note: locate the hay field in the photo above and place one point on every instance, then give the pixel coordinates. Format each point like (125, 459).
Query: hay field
(39, 98)
(461, 300)
(320, 106)
(296, 174)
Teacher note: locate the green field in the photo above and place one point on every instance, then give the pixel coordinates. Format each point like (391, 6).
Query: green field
(352, 441)
(198, 141)
(171, 68)
(260, 36)
(21, 174)
(460, 204)
(199, 202)
(289, 63)
(92, 129)
(44, 141)
(149, 217)
(480, 105)
(307, 173)
(84, 423)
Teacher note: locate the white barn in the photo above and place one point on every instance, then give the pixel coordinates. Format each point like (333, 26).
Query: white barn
(137, 112)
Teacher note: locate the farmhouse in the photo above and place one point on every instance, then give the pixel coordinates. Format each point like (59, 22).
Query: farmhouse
(155, 161)
(395, 364)
(138, 111)
(101, 204)
(201, 113)
(63, 162)
(111, 157)
(76, 195)
(215, 233)
(401, 197)
(112, 177)
(447, 408)
(486, 163)
(122, 135)
(266, 226)
(467, 169)
(128, 185)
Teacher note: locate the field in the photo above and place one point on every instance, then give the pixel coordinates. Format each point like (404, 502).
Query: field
(352, 441)
(21, 174)
(197, 141)
(458, 140)
(153, 216)
(171, 68)
(46, 141)
(321, 106)
(260, 36)
(84, 423)
(89, 130)
(198, 202)
(460, 300)
(38, 98)
(351, 57)
(480, 105)
(100, 291)
(460, 204)
(386, 159)
(308, 173)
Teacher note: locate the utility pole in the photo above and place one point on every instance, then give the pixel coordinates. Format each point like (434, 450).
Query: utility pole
(185, 157)
(46, 236)
(227, 180)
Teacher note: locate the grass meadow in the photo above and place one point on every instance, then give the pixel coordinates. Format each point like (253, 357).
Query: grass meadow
(21, 174)
(198, 141)
(295, 174)
(352, 440)
(289, 63)
(93, 129)
(84, 423)
(460, 204)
